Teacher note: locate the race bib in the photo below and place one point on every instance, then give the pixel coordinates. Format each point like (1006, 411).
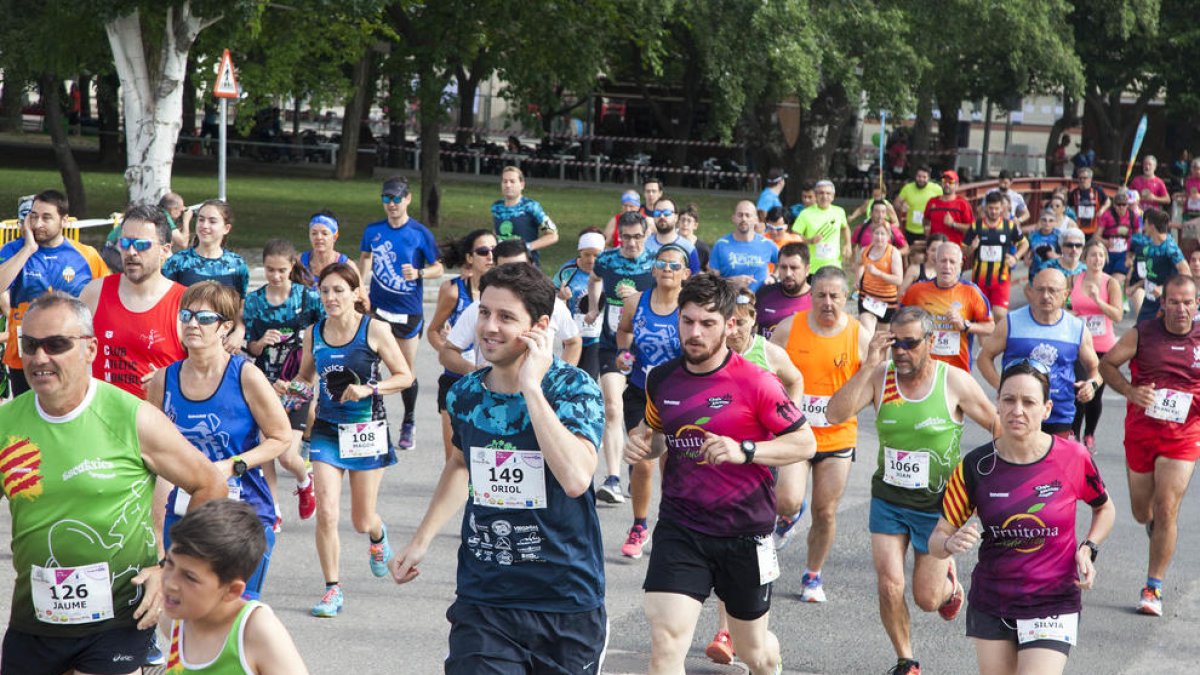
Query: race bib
(768, 560)
(1096, 324)
(391, 317)
(1193, 204)
(613, 317)
(905, 469)
(1141, 268)
(72, 595)
(1170, 405)
(991, 254)
(813, 408)
(587, 330)
(876, 307)
(508, 479)
(1118, 245)
(1060, 628)
(1151, 289)
(946, 342)
(362, 439)
(918, 217)
(827, 249)
(1087, 211)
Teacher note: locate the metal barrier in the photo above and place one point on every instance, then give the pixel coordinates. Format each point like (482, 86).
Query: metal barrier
(10, 230)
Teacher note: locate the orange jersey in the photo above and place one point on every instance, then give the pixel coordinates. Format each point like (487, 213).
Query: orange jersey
(826, 363)
(950, 345)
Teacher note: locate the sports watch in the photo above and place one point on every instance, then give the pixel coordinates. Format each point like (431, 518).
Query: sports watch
(1091, 545)
(239, 466)
(748, 448)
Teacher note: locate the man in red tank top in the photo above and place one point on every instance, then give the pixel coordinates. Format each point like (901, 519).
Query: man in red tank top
(1162, 421)
(137, 326)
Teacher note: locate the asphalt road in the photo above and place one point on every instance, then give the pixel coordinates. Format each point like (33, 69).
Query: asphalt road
(386, 628)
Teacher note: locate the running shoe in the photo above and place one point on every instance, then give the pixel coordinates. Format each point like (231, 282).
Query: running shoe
(785, 528)
(406, 436)
(330, 604)
(278, 524)
(1089, 442)
(951, 607)
(720, 650)
(610, 491)
(307, 499)
(1151, 602)
(638, 536)
(812, 591)
(906, 667)
(380, 554)
(155, 656)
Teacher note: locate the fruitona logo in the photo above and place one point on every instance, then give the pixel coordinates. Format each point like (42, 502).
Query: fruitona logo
(1023, 532)
(686, 440)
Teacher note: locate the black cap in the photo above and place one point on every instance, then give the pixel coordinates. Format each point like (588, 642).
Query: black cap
(775, 175)
(395, 187)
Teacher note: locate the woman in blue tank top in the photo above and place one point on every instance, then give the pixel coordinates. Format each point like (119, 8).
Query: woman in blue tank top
(323, 236)
(473, 254)
(342, 354)
(207, 395)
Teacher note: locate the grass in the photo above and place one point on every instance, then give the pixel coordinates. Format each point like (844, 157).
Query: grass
(265, 207)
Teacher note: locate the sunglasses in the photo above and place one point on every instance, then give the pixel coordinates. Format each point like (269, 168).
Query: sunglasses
(668, 265)
(1072, 244)
(204, 317)
(54, 344)
(483, 250)
(777, 228)
(663, 213)
(135, 244)
(909, 344)
(1036, 365)
(393, 199)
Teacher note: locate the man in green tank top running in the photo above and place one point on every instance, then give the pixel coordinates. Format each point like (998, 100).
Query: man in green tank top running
(920, 408)
(78, 458)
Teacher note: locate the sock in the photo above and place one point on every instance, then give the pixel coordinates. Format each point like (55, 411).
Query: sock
(812, 574)
(305, 483)
(642, 522)
(331, 584)
(409, 396)
(383, 533)
(1154, 584)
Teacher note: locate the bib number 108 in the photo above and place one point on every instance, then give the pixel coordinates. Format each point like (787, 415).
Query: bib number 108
(364, 437)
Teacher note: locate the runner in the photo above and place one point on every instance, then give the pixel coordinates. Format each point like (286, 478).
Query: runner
(911, 203)
(827, 345)
(1070, 263)
(322, 236)
(743, 256)
(689, 221)
(1162, 426)
(630, 201)
(647, 337)
(879, 277)
(1096, 299)
(1088, 201)
(996, 244)
(776, 181)
(571, 280)
(1189, 202)
(79, 465)
(789, 294)
(215, 549)
(1017, 210)
(1117, 227)
(1158, 261)
(1023, 609)
(950, 214)
(397, 255)
(1151, 189)
(179, 219)
(718, 503)
(1045, 243)
(920, 269)
(664, 218)
(919, 406)
(207, 396)
(959, 309)
(777, 231)
(824, 229)
(276, 317)
(652, 191)
(342, 354)
(518, 217)
(530, 584)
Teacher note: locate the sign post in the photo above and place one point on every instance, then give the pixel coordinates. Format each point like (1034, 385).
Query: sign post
(224, 88)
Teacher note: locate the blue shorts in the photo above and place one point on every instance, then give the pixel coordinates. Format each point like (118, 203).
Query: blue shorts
(323, 447)
(888, 518)
(254, 584)
(1116, 264)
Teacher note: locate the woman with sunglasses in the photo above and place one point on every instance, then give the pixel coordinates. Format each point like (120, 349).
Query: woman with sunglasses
(1095, 298)
(571, 280)
(342, 354)
(1024, 604)
(473, 254)
(207, 395)
(322, 236)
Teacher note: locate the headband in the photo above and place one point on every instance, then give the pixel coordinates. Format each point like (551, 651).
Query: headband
(322, 219)
(591, 240)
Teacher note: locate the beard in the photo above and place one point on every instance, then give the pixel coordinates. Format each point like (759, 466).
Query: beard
(708, 352)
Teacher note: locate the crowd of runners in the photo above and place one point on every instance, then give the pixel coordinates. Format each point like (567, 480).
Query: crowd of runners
(726, 375)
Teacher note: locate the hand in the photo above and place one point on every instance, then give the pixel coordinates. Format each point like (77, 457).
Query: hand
(957, 320)
(1010, 261)
(721, 450)
(408, 272)
(1084, 568)
(356, 392)
(590, 317)
(815, 239)
(565, 292)
(149, 609)
(1142, 396)
(871, 269)
(625, 290)
(404, 566)
(271, 337)
(947, 221)
(150, 375)
(877, 351)
(539, 354)
(231, 346)
(1092, 291)
(280, 386)
(639, 446)
(1084, 391)
(963, 540)
(27, 232)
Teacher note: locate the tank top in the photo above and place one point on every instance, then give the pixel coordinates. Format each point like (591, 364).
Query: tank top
(923, 275)
(78, 494)
(826, 363)
(461, 302)
(221, 427)
(757, 353)
(131, 344)
(1096, 321)
(1171, 362)
(1054, 345)
(918, 444)
(655, 339)
(874, 286)
(340, 366)
(228, 661)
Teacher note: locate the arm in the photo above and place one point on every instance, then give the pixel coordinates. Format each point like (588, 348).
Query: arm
(269, 647)
(364, 267)
(181, 237)
(169, 455)
(572, 349)
(91, 294)
(1103, 517)
(10, 269)
(1114, 312)
(1110, 370)
(992, 347)
(595, 295)
(1182, 268)
(972, 401)
(948, 540)
(795, 446)
(859, 390)
(787, 372)
(448, 498)
(275, 431)
(445, 305)
(624, 335)
(433, 271)
(1087, 358)
(548, 238)
(894, 277)
(779, 336)
(379, 338)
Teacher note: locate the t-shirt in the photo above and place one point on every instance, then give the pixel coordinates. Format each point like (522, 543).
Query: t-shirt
(1026, 567)
(1016, 202)
(1042, 242)
(462, 333)
(1160, 262)
(1191, 196)
(1087, 205)
(989, 266)
(544, 554)
(772, 306)
(950, 345)
(828, 223)
(732, 257)
(768, 200)
(301, 309)
(736, 400)
(391, 248)
(916, 199)
(614, 271)
(959, 210)
(524, 220)
(652, 247)
(189, 268)
(1110, 228)
(1154, 184)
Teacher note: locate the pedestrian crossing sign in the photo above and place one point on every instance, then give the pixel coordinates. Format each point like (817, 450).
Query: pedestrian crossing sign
(226, 85)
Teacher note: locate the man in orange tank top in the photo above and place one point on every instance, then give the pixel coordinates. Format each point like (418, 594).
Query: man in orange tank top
(137, 326)
(827, 345)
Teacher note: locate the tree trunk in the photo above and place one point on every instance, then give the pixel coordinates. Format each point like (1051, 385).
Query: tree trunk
(429, 92)
(109, 119)
(352, 121)
(918, 146)
(984, 165)
(820, 128)
(10, 101)
(68, 168)
(85, 97)
(189, 100)
(468, 86)
(947, 149)
(1069, 119)
(397, 116)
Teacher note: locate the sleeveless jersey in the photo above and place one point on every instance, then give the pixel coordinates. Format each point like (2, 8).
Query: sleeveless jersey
(1055, 346)
(874, 286)
(221, 427)
(915, 433)
(655, 339)
(1170, 362)
(229, 661)
(306, 260)
(461, 302)
(189, 268)
(339, 366)
(826, 363)
(757, 353)
(78, 494)
(131, 344)
(1096, 321)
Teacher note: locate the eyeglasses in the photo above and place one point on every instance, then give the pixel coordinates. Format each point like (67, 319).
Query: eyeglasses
(393, 199)
(54, 344)
(909, 344)
(204, 317)
(483, 250)
(1072, 244)
(662, 213)
(1036, 365)
(135, 244)
(632, 237)
(668, 265)
(777, 228)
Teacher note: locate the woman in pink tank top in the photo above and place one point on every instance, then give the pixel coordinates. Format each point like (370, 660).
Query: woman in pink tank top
(1095, 298)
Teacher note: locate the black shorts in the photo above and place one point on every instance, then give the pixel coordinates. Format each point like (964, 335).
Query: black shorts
(987, 627)
(1059, 428)
(634, 399)
(445, 381)
(887, 313)
(298, 418)
(589, 360)
(845, 453)
(608, 361)
(497, 640)
(117, 651)
(411, 327)
(689, 563)
(913, 238)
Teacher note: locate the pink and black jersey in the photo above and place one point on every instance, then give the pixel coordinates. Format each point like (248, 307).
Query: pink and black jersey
(738, 400)
(1026, 566)
(773, 306)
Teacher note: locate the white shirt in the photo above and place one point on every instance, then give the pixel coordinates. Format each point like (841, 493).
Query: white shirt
(462, 334)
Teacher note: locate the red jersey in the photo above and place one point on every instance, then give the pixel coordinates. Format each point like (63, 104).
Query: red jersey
(957, 208)
(131, 344)
(1172, 364)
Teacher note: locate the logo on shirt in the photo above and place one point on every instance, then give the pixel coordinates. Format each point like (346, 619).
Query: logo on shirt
(687, 440)
(1047, 490)
(1023, 532)
(68, 274)
(1196, 356)
(718, 402)
(667, 401)
(1044, 354)
(91, 466)
(152, 338)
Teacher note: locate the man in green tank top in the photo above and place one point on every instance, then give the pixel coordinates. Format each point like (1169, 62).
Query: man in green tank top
(78, 458)
(920, 408)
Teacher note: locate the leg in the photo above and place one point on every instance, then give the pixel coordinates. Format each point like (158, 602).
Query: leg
(757, 647)
(1092, 411)
(613, 387)
(291, 460)
(931, 583)
(829, 482)
(996, 657)
(790, 488)
(1038, 661)
(1141, 493)
(328, 480)
(888, 551)
(672, 619)
(999, 312)
(1171, 478)
(1136, 296)
(720, 650)
(641, 487)
(868, 321)
(272, 479)
(408, 347)
(364, 491)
